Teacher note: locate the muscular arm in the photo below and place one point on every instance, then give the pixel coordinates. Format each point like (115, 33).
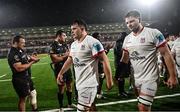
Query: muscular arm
(107, 69)
(165, 52)
(65, 67)
(125, 57)
(22, 67)
(55, 58)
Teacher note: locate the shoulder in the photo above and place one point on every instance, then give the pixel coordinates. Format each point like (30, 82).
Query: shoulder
(152, 30)
(74, 43)
(128, 37)
(155, 34)
(13, 51)
(90, 39)
(54, 44)
(13, 54)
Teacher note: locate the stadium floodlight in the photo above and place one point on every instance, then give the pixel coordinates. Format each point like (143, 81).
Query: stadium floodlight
(147, 2)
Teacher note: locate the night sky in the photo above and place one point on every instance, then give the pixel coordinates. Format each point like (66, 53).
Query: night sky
(30, 13)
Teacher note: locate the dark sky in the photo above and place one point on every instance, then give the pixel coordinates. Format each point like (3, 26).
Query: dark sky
(30, 13)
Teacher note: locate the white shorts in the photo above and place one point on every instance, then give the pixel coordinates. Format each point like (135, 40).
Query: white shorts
(147, 91)
(86, 96)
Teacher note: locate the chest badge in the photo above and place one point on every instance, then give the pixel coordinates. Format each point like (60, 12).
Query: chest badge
(82, 47)
(142, 40)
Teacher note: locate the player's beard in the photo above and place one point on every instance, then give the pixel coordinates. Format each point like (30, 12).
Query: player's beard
(136, 29)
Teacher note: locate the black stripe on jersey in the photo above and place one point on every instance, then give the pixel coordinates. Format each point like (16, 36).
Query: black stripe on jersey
(84, 105)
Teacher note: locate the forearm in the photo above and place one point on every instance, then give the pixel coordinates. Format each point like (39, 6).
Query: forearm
(170, 64)
(56, 58)
(66, 66)
(125, 57)
(23, 67)
(108, 73)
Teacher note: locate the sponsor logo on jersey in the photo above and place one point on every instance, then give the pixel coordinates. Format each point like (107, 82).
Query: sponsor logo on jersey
(136, 56)
(77, 63)
(151, 89)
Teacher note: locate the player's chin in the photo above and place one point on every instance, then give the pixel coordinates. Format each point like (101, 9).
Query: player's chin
(131, 29)
(74, 37)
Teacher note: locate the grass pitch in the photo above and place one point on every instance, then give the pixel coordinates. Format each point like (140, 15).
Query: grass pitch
(46, 88)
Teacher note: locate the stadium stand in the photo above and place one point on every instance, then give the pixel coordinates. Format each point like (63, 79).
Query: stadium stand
(38, 39)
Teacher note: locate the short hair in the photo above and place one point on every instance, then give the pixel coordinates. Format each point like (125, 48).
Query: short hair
(133, 13)
(59, 32)
(17, 38)
(166, 35)
(96, 35)
(80, 22)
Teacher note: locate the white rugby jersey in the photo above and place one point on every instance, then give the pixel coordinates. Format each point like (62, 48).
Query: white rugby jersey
(176, 50)
(85, 61)
(142, 51)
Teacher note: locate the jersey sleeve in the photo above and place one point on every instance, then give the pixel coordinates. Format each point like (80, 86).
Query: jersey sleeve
(96, 47)
(14, 58)
(159, 39)
(173, 50)
(52, 49)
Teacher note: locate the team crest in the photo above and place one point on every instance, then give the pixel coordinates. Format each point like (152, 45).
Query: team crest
(82, 47)
(142, 40)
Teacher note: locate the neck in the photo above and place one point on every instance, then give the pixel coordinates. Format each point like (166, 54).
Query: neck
(14, 45)
(56, 39)
(82, 37)
(138, 31)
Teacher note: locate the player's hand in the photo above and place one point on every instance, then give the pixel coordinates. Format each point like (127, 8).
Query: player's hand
(109, 85)
(66, 54)
(60, 80)
(34, 58)
(172, 82)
